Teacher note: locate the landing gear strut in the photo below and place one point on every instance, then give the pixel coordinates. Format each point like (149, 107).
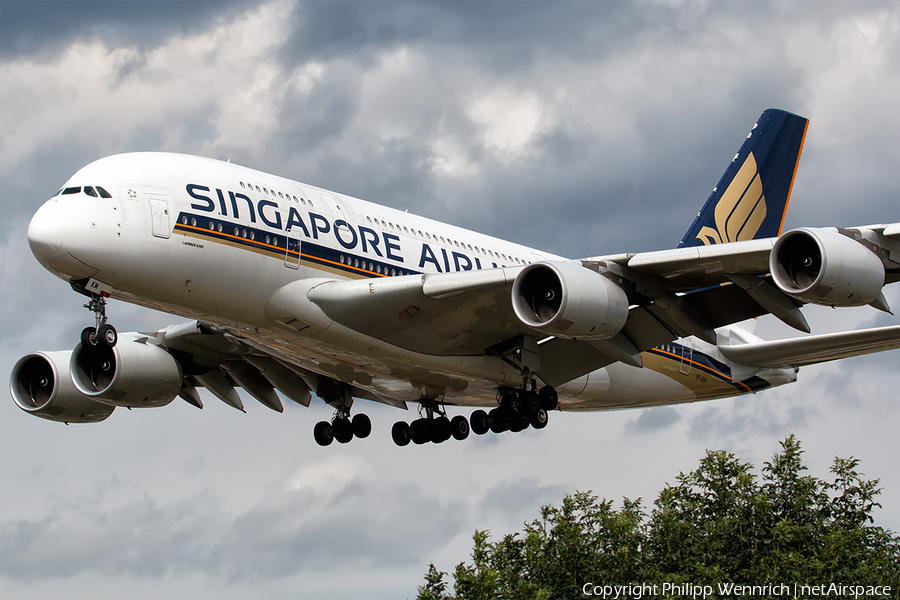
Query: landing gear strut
(103, 333)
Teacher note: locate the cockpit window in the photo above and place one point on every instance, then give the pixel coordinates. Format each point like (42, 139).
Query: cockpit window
(90, 191)
(71, 190)
(103, 193)
(57, 193)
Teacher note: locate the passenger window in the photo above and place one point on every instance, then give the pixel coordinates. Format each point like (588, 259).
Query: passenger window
(71, 190)
(90, 191)
(103, 193)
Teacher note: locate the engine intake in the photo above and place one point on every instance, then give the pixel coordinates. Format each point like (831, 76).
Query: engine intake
(133, 373)
(40, 384)
(567, 300)
(821, 266)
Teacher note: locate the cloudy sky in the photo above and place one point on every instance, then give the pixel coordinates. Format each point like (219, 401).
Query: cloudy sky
(578, 128)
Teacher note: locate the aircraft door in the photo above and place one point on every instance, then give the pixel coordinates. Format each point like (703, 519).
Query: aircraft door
(687, 355)
(292, 251)
(159, 216)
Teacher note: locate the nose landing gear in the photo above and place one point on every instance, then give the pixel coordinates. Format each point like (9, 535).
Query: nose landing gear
(103, 333)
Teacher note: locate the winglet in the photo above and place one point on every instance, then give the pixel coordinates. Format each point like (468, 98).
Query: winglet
(751, 199)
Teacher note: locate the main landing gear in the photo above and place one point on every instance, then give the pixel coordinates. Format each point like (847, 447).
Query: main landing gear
(517, 410)
(342, 428)
(430, 428)
(103, 334)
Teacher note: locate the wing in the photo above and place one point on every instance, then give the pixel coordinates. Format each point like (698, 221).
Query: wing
(814, 349)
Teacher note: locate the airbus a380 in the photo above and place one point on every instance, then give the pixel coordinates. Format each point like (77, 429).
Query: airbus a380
(296, 289)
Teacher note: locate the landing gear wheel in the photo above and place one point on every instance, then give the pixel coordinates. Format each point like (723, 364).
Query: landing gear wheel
(89, 338)
(530, 402)
(498, 420)
(539, 419)
(518, 422)
(549, 398)
(459, 427)
(440, 430)
(479, 422)
(400, 433)
(323, 433)
(107, 335)
(420, 431)
(362, 426)
(343, 430)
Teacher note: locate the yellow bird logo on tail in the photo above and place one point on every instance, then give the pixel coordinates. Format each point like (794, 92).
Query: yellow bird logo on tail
(741, 210)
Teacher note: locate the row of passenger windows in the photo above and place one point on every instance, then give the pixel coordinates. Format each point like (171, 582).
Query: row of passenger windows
(89, 190)
(398, 227)
(372, 267)
(273, 193)
(237, 231)
(448, 241)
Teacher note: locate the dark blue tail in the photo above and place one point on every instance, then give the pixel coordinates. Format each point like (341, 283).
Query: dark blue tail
(752, 197)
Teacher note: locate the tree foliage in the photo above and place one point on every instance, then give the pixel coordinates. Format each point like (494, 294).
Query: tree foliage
(717, 524)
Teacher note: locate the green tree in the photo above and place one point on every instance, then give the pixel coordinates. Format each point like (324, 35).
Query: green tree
(719, 523)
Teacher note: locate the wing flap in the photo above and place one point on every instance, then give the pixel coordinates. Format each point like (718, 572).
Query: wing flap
(799, 352)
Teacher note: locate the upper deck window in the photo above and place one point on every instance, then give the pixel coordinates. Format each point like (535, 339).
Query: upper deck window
(71, 190)
(103, 193)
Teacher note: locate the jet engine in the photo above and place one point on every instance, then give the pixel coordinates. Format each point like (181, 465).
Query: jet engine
(133, 373)
(821, 266)
(40, 385)
(567, 300)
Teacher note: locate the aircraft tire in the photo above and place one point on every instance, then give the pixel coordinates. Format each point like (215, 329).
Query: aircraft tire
(362, 426)
(531, 402)
(549, 398)
(518, 422)
(440, 430)
(498, 420)
(419, 431)
(343, 430)
(323, 433)
(89, 338)
(539, 419)
(479, 422)
(459, 427)
(400, 433)
(107, 335)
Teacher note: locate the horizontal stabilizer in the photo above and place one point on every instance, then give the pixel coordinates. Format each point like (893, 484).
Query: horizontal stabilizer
(799, 352)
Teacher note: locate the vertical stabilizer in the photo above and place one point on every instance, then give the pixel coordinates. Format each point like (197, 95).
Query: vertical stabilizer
(751, 199)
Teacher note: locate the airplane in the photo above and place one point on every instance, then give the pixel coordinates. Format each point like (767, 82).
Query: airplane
(290, 289)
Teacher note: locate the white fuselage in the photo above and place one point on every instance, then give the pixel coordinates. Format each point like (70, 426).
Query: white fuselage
(215, 241)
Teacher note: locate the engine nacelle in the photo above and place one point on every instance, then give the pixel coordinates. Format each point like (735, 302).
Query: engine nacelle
(822, 266)
(40, 384)
(567, 300)
(133, 373)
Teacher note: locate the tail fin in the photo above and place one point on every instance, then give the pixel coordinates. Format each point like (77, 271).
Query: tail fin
(752, 197)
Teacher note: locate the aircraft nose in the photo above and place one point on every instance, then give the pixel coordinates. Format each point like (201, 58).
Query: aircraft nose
(46, 233)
